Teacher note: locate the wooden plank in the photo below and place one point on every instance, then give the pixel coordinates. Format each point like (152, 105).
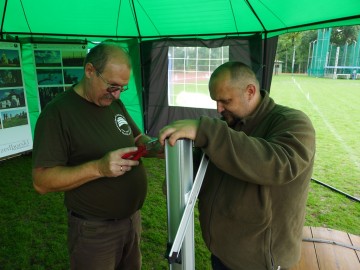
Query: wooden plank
(308, 258)
(355, 240)
(333, 257)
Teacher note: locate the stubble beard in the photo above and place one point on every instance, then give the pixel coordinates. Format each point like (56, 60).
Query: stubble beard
(229, 118)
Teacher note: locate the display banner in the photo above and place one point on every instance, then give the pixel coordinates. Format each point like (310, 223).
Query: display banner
(58, 66)
(15, 130)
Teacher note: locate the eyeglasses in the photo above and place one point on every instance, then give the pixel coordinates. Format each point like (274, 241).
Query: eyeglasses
(112, 88)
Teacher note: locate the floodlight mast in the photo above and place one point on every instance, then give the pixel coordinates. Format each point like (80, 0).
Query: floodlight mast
(182, 192)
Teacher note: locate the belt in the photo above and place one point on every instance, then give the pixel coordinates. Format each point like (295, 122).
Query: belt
(74, 214)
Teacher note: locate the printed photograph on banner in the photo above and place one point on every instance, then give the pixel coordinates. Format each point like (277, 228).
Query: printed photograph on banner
(9, 58)
(14, 118)
(46, 94)
(58, 66)
(49, 76)
(15, 130)
(47, 58)
(12, 98)
(10, 78)
(73, 58)
(73, 75)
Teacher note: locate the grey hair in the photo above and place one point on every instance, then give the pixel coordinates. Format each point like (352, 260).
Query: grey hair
(99, 55)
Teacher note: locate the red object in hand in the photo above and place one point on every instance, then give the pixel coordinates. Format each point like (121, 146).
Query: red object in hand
(136, 155)
(142, 150)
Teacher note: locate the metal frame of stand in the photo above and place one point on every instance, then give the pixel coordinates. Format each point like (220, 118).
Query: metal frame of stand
(182, 192)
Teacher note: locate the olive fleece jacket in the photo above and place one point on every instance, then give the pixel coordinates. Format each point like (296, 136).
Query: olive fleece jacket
(253, 199)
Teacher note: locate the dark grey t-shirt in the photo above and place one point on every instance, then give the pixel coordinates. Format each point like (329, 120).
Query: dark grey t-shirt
(71, 131)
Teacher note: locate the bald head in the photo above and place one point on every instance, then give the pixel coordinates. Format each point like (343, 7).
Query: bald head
(240, 74)
(101, 54)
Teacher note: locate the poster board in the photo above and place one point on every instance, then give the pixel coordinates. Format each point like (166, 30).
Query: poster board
(58, 66)
(15, 130)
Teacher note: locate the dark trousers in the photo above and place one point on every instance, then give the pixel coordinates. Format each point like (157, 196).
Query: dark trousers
(217, 264)
(104, 245)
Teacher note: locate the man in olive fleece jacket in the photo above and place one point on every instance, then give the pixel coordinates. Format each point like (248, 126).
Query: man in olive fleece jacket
(253, 199)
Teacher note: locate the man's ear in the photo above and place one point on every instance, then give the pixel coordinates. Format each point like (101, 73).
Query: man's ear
(89, 70)
(250, 91)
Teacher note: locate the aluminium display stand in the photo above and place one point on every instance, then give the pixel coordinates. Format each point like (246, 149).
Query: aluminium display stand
(182, 192)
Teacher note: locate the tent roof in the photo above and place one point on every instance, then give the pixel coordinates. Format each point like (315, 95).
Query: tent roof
(171, 18)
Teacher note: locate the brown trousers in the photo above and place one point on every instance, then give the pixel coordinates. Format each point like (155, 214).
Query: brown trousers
(104, 245)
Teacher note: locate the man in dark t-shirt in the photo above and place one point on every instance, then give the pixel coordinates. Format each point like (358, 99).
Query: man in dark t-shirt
(80, 139)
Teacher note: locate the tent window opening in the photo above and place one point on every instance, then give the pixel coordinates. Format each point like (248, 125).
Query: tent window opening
(189, 72)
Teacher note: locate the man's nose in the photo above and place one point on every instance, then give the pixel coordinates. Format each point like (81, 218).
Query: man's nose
(219, 107)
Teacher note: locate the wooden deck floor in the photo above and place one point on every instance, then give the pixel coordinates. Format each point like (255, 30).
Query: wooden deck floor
(340, 250)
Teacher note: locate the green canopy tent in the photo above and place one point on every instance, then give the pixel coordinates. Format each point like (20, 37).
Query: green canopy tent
(135, 22)
(171, 18)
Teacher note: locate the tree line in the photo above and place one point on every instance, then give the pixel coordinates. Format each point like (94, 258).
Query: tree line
(293, 48)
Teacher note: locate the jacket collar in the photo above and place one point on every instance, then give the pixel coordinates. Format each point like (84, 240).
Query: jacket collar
(250, 122)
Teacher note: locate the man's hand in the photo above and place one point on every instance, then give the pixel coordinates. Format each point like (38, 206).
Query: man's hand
(182, 129)
(112, 164)
(156, 150)
(63, 178)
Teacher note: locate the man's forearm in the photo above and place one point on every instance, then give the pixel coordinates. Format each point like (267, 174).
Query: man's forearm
(61, 178)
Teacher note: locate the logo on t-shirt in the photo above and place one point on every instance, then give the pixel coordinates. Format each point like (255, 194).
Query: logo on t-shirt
(122, 124)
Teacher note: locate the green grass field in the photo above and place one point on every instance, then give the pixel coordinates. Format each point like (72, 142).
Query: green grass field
(33, 226)
(334, 108)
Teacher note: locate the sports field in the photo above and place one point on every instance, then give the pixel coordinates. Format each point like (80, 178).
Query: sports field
(334, 108)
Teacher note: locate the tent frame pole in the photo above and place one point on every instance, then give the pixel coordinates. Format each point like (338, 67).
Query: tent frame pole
(182, 192)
